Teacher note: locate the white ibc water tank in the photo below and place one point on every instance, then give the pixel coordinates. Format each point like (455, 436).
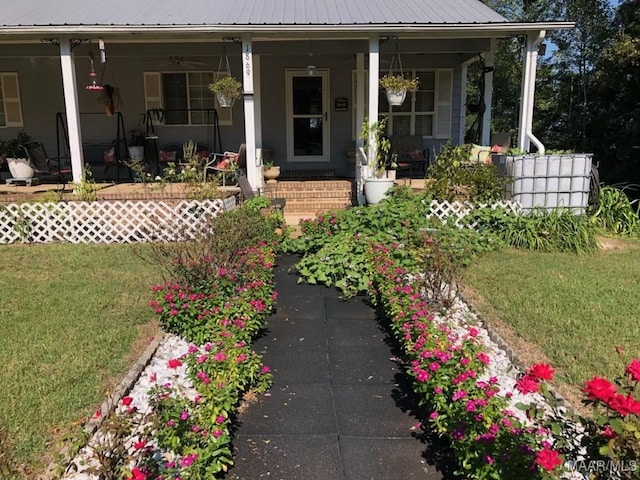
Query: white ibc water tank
(550, 181)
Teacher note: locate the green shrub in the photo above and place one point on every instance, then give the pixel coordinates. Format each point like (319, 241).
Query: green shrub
(455, 177)
(614, 212)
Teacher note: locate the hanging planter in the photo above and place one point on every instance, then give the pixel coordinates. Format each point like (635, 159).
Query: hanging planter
(226, 89)
(395, 82)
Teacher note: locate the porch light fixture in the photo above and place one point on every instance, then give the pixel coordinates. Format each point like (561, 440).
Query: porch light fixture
(311, 68)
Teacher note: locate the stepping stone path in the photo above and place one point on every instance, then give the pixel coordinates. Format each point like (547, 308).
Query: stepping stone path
(338, 408)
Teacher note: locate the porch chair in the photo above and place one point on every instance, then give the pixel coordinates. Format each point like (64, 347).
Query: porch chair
(47, 168)
(247, 192)
(229, 164)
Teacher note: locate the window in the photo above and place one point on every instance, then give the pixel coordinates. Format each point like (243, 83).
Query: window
(426, 113)
(184, 95)
(10, 107)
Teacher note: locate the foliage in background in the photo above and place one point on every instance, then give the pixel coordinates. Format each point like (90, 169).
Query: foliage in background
(335, 244)
(556, 230)
(615, 213)
(453, 177)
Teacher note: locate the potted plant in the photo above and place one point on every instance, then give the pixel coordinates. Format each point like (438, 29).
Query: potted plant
(110, 99)
(136, 145)
(16, 156)
(226, 90)
(397, 87)
(270, 172)
(376, 180)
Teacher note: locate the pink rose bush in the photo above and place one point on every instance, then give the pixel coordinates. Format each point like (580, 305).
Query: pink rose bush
(460, 401)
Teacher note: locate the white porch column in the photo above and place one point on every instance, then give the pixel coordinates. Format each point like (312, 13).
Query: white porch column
(360, 92)
(374, 73)
(71, 108)
(253, 169)
(525, 126)
(464, 68)
(257, 101)
(488, 93)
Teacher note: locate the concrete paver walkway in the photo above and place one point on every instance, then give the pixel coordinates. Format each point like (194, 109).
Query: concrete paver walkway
(336, 410)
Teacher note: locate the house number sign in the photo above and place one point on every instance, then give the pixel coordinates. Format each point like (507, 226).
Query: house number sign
(341, 104)
(247, 60)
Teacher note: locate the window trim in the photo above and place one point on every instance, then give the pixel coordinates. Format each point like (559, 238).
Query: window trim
(439, 131)
(157, 102)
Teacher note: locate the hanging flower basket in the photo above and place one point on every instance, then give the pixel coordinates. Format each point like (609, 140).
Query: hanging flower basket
(397, 87)
(226, 89)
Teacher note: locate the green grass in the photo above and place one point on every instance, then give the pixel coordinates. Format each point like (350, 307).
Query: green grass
(575, 308)
(69, 316)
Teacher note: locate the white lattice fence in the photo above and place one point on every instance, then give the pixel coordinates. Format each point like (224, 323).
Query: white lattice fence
(107, 221)
(456, 212)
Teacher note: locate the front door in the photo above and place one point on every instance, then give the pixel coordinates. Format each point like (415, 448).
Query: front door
(307, 116)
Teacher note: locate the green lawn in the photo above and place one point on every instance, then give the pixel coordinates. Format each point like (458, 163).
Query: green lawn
(573, 309)
(72, 317)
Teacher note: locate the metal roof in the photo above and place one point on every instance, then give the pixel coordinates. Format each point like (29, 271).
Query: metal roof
(57, 13)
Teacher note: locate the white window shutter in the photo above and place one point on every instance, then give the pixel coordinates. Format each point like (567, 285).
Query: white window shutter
(444, 92)
(153, 90)
(11, 99)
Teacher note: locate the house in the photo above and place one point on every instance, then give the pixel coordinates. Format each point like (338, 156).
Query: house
(309, 70)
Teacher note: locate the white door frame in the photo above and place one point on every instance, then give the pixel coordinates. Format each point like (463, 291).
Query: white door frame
(326, 157)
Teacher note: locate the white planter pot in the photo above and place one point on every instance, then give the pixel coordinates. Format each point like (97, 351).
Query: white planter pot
(136, 152)
(20, 168)
(396, 97)
(224, 100)
(375, 189)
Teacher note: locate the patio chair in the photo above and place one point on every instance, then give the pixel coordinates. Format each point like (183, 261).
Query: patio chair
(229, 164)
(247, 192)
(47, 168)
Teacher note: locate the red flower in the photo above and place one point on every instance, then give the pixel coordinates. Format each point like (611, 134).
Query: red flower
(634, 369)
(174, 363)
(608, 432)
(542, 371)
(625, 405)
(126, 401)
(548, 459)
(599, 388)
(527, 384)
(137, 474)
(139, 445)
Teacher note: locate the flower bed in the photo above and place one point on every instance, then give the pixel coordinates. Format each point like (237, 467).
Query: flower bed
(175, 424)
(498, 428)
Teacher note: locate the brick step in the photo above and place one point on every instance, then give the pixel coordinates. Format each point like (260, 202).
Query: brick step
(306, 185)
(310, 195)
(314, 207)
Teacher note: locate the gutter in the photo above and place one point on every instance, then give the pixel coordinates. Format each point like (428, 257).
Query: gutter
(464, 29)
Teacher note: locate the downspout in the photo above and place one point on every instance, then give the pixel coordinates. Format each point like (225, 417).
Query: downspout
(528, 90)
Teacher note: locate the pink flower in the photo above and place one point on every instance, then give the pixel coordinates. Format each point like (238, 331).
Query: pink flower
(473, 331)
(422, 376)
(541, 371)
(458, 395)
(219, 357)
(433, 415)
(189, 459)
(220, 419)
(633, 369)
(216, 433)
(137, 474)
(97, 414)
(174, 363)
(265, 369)
(171, 423)
(192, 349)
(201, 359)
(527, 385)
(184, 415)
(548, 459)
(241, 358)
(484, 358)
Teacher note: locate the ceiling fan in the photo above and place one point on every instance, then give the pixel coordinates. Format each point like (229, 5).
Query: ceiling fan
(178, 61)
